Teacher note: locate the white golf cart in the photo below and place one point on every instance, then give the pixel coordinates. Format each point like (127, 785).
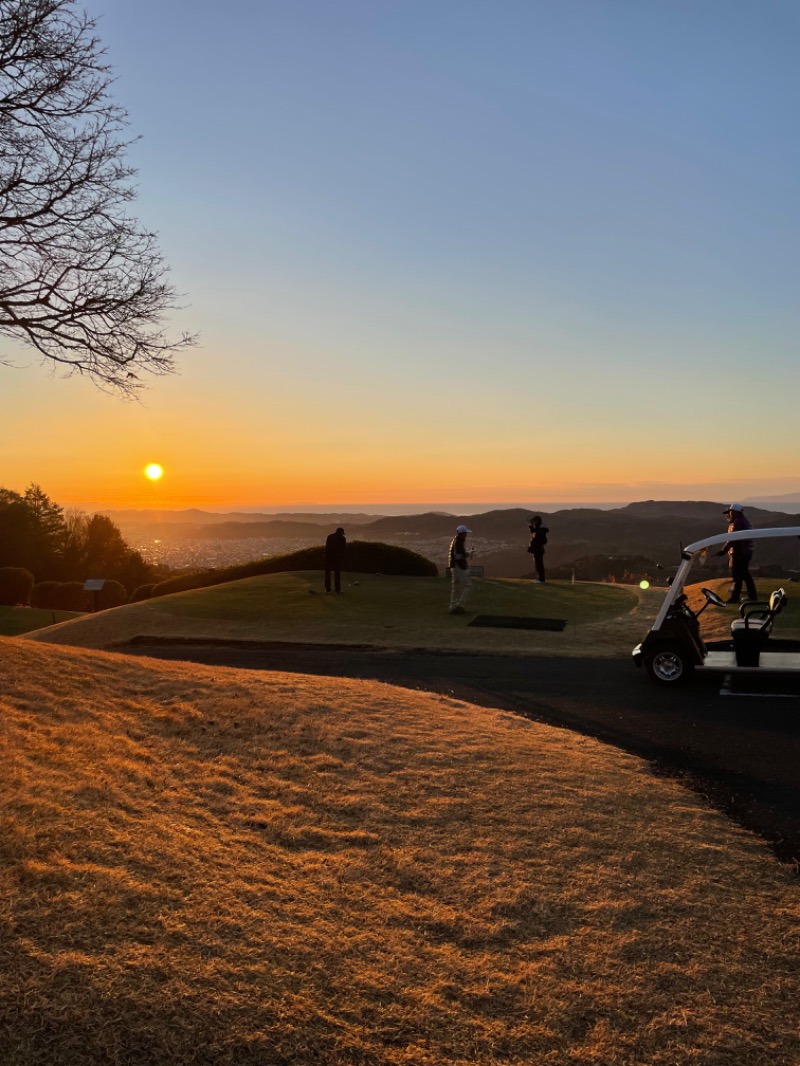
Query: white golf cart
(673, 649)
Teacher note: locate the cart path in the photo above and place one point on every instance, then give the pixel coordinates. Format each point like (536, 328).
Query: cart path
(742, 753)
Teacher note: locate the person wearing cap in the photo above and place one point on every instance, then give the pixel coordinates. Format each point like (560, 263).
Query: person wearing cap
(459, 571)
(335, 545)
(739, 553)
(536, 546)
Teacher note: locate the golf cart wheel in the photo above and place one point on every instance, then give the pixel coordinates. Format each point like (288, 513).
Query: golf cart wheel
(667, 665)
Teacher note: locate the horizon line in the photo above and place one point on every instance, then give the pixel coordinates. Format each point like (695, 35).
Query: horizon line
(451, 507)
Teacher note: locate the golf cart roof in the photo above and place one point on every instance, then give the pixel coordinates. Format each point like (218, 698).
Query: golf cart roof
(692, 550)
(740, 534)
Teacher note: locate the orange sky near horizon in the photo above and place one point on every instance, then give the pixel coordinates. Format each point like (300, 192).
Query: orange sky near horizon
(251, 450)
(122, 485)
(452, 257)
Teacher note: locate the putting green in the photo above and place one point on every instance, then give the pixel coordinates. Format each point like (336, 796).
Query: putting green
(384, 611)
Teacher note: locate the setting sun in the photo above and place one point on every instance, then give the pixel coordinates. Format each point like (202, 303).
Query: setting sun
(154, 471)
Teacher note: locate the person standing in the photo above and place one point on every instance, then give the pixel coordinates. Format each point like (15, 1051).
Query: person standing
(335, 546)
(536, 546)
(739, 553)
(461, 582)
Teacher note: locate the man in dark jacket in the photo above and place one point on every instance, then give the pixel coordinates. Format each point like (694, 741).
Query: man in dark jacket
(334, 557)
(739, 553)
(536, 546)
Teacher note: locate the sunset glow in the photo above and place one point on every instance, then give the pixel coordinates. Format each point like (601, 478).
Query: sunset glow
(502, 263)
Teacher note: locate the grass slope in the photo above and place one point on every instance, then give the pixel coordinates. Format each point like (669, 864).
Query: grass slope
(207, 866)
(387, 611)
(17, 620)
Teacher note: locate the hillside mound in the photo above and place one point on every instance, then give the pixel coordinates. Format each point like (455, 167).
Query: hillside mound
(362, 557)
(374, 609)
(205, 866)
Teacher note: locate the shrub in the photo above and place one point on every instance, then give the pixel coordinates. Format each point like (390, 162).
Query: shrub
(363, 557)
(16, 584)
(44, 594)
(144, 592)
(70, 596)
(112, 594)
(61, 596)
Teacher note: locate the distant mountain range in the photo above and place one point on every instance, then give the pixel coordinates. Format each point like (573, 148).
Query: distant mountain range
(192, 517)
(789, 502)
(653, 529)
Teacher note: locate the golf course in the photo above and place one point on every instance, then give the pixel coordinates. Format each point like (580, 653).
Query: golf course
(376, 684)
(375, 609)
(211, 865)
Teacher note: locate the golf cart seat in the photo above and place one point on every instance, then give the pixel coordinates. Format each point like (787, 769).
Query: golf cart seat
(751, 632)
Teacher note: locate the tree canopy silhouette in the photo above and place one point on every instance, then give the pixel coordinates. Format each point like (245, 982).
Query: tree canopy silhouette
(37, 535)
(81, 281)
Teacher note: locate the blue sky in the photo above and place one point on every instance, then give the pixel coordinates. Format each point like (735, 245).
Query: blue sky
(464, 250)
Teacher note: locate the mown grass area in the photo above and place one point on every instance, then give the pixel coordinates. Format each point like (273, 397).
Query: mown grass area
(17, 620)
(716, 621)
(384, 611)
(205, 866)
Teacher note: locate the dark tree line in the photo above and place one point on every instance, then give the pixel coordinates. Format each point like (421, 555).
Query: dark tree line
(82, 282)
(37, 535)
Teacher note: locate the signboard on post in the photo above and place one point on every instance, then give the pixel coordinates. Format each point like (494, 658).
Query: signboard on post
(94, 585)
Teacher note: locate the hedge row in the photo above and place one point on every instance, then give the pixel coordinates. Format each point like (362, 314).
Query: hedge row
(16, 584)
(363, 557)
(71, 596)
(18, 590)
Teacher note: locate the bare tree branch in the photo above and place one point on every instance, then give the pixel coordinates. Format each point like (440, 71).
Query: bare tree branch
(81, 281)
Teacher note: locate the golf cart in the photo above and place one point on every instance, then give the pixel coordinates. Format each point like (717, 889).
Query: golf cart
(673, 650)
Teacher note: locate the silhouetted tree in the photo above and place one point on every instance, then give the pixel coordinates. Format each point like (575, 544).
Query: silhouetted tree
(105, 550)
(134, 571)
(49, 529)
(81, 282)
(75, 522)
(31, 531)
(36, 534)
(17, 532)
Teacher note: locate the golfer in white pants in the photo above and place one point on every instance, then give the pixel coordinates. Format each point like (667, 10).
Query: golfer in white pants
(459, 571)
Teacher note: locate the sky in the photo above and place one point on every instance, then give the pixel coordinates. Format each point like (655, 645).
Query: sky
(449, 250)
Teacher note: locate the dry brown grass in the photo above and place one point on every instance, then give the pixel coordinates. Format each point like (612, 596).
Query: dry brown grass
(207, 866)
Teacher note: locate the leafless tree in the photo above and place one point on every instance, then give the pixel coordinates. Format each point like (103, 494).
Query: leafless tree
(81, 281)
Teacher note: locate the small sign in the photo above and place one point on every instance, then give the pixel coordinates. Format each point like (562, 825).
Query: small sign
(94, 584)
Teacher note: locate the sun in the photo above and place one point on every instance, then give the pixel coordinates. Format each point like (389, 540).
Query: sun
(154, 471)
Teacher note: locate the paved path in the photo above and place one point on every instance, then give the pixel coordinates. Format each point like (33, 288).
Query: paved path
(741, 752)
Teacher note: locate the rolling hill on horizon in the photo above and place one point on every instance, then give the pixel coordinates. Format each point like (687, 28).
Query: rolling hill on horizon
(654, 530)
(198, 520)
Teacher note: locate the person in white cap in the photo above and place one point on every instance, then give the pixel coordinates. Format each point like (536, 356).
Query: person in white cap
(459, 571)
(739, 553)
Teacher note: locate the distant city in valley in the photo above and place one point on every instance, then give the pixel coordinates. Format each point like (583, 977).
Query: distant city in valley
(649, 532)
